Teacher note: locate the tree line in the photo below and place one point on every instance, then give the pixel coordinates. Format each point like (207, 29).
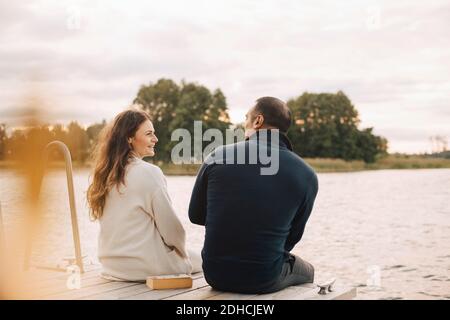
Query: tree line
(325, 125)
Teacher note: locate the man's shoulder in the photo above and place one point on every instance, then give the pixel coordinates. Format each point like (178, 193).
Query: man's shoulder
(299, 161)
(297, 166)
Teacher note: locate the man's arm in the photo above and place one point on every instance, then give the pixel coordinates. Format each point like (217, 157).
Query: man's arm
(197, 205)
(300, 219)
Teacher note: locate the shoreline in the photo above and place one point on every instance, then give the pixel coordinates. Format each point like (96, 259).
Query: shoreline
(320, 165)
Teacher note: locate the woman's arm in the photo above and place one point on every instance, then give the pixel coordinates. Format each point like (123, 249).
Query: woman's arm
(167, 222)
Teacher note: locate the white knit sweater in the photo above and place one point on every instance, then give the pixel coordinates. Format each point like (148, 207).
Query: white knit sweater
(140, 233)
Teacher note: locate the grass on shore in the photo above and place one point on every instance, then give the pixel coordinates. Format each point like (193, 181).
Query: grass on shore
(339, 165)
(319, 164)
(388, 162)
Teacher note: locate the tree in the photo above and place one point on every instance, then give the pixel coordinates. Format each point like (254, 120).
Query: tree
(174, 106)
(93, 133)
(3, 141)
(371, 146)
(438, 143)
(77, 142)
(326, 125)
(58, 133)
(160, 100)
(16, 143)
(29, 143)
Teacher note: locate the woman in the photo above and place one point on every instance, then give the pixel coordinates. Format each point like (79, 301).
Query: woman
(140, 233)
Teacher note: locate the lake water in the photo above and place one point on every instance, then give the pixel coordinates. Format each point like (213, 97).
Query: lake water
(385, 232)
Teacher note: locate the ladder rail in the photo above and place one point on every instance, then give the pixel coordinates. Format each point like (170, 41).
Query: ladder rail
(73, 211)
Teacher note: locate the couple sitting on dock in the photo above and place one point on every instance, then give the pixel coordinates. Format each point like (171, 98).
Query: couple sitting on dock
(252, 220)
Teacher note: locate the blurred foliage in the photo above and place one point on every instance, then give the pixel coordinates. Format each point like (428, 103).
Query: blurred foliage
(3, 141)
(29, 142)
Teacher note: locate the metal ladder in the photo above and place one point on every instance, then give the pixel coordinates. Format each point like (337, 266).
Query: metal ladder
(73, 212)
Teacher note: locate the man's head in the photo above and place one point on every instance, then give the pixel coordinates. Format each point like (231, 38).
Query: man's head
(267, 113)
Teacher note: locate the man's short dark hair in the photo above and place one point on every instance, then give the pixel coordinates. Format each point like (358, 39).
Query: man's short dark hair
(275, 111)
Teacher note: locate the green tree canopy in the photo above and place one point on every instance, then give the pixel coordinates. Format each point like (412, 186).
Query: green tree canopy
(77, 142)
(93, 132)
(174, 106)
(326, 126)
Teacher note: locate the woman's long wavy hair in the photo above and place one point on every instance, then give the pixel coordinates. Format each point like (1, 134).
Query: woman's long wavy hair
(111, 156)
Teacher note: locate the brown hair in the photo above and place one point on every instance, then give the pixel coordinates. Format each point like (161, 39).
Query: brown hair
(111, 156)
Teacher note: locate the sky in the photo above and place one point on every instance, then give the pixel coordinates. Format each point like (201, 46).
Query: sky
(87, 59)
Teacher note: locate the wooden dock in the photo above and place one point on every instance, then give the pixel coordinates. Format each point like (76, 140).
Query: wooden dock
(52, 285)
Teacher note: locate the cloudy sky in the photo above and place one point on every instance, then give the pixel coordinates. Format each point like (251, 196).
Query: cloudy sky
(87, 59)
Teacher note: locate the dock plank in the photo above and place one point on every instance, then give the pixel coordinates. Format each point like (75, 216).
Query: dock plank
(198, 294)
(286, 294)
(94, 287)
(232, 296)
(60, 287)
(119, 293)
(48, 282)
(162, 294)
(124, 292)
(77, 294)
(339, 293)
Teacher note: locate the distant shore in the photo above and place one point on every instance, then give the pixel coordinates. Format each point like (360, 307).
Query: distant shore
(319, 164)
(323, 165)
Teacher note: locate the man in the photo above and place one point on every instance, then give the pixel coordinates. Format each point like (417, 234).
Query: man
(254, 220)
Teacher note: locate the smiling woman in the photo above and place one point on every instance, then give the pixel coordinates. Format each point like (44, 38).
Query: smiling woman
(114, 151)
(140, 233)
(144, 141)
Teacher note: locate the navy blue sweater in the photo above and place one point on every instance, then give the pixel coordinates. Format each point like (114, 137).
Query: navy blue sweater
(252, 220)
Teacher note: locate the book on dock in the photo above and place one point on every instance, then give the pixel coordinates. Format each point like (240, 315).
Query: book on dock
(175, 281)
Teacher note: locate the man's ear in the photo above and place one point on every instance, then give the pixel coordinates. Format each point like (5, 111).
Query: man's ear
(259, 121)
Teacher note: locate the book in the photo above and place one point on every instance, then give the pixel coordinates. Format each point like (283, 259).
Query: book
(175, 281)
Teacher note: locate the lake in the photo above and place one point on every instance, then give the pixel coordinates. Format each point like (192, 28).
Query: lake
(385, 232)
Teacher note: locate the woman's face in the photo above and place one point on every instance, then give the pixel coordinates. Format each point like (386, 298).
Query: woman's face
(144, 141)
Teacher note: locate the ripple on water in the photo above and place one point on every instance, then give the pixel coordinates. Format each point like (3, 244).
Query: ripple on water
(397, 266)
(409, 270)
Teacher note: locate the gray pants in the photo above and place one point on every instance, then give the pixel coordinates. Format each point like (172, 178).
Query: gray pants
(295, 271)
